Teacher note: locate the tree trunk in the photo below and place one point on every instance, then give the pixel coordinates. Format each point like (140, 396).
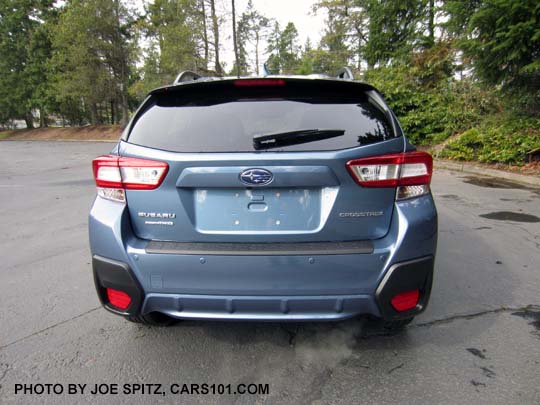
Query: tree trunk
(234, 40)
(93, 114)
(42, 118)
(121, 68)
(431, 22)
(257, 52)
(99, 113)
(205, 35)
(124, 105)
(112, 113)
(29, 119)
(215, 29)
(359, 50)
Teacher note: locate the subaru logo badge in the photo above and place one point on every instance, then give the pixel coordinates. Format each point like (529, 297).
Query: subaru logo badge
(256, 177)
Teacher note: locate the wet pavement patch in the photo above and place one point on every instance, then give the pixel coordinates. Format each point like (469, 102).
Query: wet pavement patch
(477, 352)
(511, 216)
(450, 196)
(395, 368)
(491, 182)
(518, 200)
(532, 315)
(489, 373)
(477, 383)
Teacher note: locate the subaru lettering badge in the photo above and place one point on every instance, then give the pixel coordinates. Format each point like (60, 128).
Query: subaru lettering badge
(256, 177)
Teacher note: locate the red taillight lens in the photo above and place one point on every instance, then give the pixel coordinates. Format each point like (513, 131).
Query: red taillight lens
(114, 174)
(118, 299)
(259, 82)
(405, 301)
(400, 169)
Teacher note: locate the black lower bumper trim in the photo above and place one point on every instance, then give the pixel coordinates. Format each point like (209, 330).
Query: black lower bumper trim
(260, 249)
(117, 275)
(405, 276)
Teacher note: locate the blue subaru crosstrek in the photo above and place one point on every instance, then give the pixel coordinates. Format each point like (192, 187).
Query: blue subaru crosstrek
(284, 198)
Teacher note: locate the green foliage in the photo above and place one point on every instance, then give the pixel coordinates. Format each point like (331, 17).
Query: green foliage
(316, 61)
(459, 13)
(92, 58)
(503, 42)
(24, 50)
(174, 28)
(284, 49)
(500, 138)
(344, 21)
(251, 29)
(393, 29)
(244, 30)
(429, 102)
(465, 147)
(376, 32)
(433, 105)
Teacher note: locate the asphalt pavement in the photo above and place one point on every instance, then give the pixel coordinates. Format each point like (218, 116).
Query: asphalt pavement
(478, 341)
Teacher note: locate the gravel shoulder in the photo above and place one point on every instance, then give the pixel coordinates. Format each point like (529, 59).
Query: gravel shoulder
(86, 133)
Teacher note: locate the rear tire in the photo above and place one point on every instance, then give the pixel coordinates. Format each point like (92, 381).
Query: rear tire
(153, 319)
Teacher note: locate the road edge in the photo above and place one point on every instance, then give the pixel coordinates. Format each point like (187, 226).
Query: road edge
(531, 181)
(60, 140)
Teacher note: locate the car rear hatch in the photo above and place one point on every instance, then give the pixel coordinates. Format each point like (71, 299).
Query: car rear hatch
(261, 160)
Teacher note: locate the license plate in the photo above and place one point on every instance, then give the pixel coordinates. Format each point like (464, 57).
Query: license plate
(257, 210)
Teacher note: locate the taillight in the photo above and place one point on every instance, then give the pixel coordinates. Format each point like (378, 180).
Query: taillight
(114, 174)
(410, 172)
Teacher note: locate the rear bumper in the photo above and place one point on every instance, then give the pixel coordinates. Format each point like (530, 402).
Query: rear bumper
(411, 275)
(352, 279)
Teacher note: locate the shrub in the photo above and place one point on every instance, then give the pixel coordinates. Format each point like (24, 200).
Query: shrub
(500, 138)
(429, 102)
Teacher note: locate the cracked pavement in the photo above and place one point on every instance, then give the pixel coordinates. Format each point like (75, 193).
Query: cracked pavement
(478, 341)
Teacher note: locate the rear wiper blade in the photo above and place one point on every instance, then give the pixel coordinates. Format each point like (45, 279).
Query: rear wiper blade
(294, 137)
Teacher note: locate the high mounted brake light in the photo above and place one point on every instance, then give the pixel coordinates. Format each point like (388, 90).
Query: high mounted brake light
(114, 174)
(259, 82)
(410, 171)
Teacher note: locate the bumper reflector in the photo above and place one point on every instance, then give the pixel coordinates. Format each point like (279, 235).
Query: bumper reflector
(118, 299)
(405, 301)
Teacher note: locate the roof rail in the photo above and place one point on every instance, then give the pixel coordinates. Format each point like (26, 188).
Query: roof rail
(187, 76)
(345, 73)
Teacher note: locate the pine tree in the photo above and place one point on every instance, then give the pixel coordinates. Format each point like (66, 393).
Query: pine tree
(93, 57)
(24, 52)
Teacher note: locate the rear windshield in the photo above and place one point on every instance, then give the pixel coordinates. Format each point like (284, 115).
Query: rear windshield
(231, 124)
